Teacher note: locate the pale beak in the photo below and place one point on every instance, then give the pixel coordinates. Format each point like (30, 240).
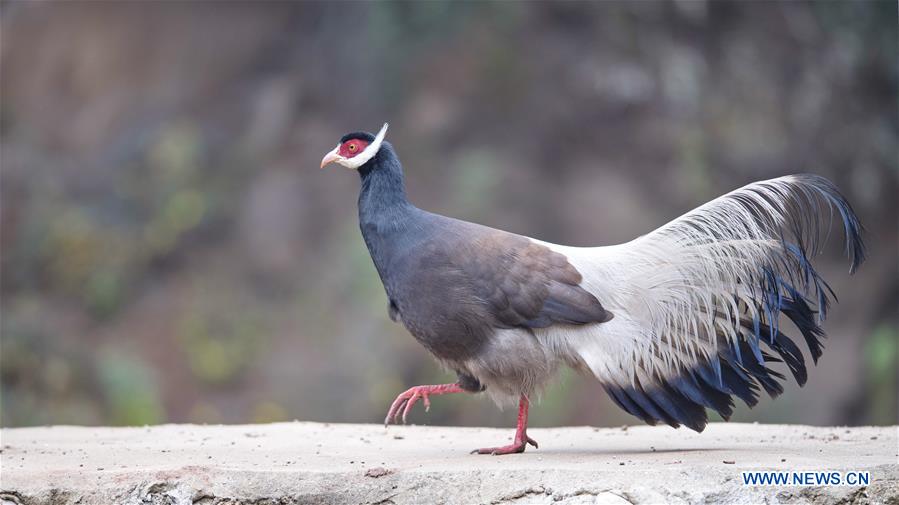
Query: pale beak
(331, 157)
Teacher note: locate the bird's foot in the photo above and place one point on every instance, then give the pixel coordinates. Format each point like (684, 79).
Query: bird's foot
(404, 403)
(519, 446)
(406, 400)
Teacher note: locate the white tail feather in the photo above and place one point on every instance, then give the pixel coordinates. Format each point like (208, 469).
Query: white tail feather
(680, 292)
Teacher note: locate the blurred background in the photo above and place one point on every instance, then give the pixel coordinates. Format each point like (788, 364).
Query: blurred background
(171, 251)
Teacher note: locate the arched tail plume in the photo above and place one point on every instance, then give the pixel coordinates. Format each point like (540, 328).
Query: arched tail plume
(698, 301)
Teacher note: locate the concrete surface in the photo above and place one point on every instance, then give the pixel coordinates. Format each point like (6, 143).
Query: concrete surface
(302, 462)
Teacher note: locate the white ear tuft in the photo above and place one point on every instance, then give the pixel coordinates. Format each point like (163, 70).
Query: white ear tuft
(369, 152)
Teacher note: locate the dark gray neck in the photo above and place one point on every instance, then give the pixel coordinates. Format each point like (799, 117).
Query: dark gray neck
(382, 199)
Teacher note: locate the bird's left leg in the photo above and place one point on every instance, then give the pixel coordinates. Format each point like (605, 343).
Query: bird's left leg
(404, 402)
(521, 437)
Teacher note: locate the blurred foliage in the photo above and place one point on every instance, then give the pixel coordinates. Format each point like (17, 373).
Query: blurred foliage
(130, 390)
(881, 354)
(170, 252)
(219, 349)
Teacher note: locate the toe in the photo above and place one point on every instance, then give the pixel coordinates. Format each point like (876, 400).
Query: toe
(499, 451)
(409, 404)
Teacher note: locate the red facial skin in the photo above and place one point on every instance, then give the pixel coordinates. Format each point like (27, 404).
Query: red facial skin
(352, 147)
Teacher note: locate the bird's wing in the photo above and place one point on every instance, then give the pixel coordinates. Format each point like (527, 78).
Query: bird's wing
(697, 302)
(455, 284)
(523, 283)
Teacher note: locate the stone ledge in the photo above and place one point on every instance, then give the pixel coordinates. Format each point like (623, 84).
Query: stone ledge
(302, 462)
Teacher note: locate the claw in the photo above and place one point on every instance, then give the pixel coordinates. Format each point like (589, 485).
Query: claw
(517, 447)
(403, 403)
(409, 404)
(400, 410)
(499, 451)
(393, 412)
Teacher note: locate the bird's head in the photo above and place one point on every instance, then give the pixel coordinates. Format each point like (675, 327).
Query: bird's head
(355, 149)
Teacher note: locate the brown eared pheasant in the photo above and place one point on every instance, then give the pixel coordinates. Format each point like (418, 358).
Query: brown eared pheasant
(672, 323)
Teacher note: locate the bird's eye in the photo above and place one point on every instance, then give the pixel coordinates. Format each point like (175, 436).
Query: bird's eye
(352, 148)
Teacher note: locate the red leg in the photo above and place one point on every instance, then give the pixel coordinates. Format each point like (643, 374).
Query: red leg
(412, 395)
(521, 437)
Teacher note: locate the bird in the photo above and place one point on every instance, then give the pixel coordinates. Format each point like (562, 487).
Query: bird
(673, 324)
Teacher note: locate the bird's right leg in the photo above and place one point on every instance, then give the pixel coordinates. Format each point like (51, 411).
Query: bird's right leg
(406, 400)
